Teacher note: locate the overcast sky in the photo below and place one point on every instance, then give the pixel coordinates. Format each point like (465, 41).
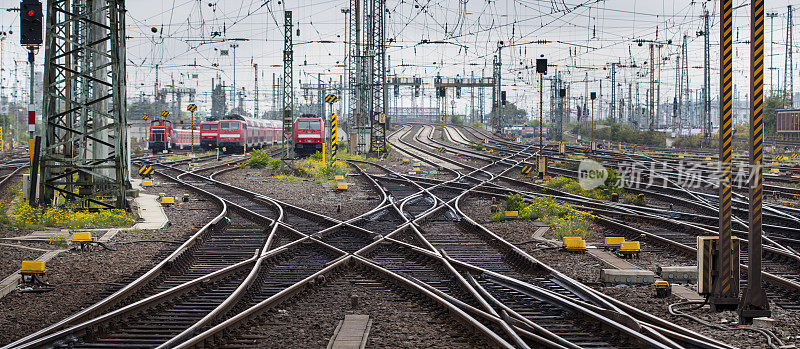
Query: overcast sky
(586, 37)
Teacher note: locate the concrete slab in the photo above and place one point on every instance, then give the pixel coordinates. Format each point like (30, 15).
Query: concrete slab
(150, 210)
(351, 333)
(10, 283)
(627, 276)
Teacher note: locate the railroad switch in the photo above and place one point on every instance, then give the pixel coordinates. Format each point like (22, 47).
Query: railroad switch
(84, 238)
(613, 242)
(574, 244)
(663, 289)
(32, 277)
(167, 200)
(629, 249)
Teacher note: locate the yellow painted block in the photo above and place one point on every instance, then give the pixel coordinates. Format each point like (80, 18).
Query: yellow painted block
(681, 156)
(147, 183)
(574, 243)
(614, 241)
(416, 164)
(167, 200)
(512, 214)
(82, 236)
(415, 169)
(32, 267)
(661, 284)
(339, 177)
(406, 160)
(630, 246)
(341, 186)
(774, 170)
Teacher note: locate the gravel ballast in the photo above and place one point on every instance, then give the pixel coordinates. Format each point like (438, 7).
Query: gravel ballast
(82, 278)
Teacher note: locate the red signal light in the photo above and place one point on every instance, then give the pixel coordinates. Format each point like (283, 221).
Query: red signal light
(30, 13)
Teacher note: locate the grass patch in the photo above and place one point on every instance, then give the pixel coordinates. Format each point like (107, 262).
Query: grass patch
(476, 145)
(27, 217)
(562, 218)
(612, 185)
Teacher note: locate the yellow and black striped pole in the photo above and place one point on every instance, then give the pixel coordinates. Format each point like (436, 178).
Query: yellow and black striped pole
(754, 302)
(725, 292)
(334, 141)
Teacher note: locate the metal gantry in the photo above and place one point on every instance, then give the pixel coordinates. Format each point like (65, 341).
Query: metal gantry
(288, 90)
(85, 156)
(376, 54)
(788, 71)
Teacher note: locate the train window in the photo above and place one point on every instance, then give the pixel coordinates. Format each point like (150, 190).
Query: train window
(209, 127)
(310, 124)
(229, 125)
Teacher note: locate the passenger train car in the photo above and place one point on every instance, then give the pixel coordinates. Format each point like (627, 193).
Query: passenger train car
(309, 134)
(183, 138)
(239, 133)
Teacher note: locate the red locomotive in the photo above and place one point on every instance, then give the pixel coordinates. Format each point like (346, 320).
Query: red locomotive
(161, 135)
(239, 133)
(309, 134)
(208, 134)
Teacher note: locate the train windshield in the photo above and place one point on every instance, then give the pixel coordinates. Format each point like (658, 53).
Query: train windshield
(209, 127)
(229, 125)
(308, 125)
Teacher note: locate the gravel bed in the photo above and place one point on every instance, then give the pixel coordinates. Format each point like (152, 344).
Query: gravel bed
(397, 320)
(11, 257)
(102, 271)
(586, 269)
(322, 198)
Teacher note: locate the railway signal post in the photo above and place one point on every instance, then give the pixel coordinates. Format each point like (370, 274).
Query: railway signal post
(754, 301)
(725, 291)
(541, 163)
(330, 99)
(192, 108)
(165, 115)
(593, 145)
(561, 147)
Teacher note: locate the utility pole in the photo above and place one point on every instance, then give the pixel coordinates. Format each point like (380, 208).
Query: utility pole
(788, 77)
(651, 91)
(613, 90)
(772, 16)
(658, 90)
(685, 81)
(255, 91)
(706, 78)
(233, 95)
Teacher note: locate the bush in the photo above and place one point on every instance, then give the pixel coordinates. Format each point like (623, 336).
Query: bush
(476, 145)
(27, 217)
(563, 219)
(318, 169)
(571, 186)
(632, 199)
(261, 159)
(456, 120)
(622, 133)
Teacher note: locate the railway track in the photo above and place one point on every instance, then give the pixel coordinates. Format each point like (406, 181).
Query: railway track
(415, 247)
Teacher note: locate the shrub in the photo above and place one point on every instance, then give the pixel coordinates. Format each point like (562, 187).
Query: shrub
(28, 217)
(318, 169)
(632, 199)
(476, 145)
(563, 219)
(456, 120)
(261, 159)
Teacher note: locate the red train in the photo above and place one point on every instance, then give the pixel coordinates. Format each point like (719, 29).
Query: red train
(208, 134)
(309, 134)
(160, 136)
(239, 133)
